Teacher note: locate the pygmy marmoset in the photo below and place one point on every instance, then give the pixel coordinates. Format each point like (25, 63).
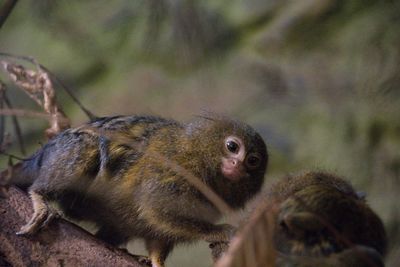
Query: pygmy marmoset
(112, 171)
(311, 219)
(322, 216)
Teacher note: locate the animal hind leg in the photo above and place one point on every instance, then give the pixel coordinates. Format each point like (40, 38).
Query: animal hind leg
(42, 215)
(158, 251)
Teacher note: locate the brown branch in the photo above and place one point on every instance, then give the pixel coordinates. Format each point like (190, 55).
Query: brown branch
(39, 66)
(27, 80)
(61, 244)
(253, 245)
(5, 10)
(59, 120)
(38, 85)
(88, 113)
(24, 113)
(17, 128)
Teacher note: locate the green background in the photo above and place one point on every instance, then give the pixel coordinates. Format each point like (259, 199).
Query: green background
(319, 79)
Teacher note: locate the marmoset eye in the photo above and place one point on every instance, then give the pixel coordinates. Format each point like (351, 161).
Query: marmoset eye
(253, 160)
(232, 146)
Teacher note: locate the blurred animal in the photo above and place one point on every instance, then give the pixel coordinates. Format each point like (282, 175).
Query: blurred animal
(356, 256)
(114, 171)
(312, 219)
(321, 216)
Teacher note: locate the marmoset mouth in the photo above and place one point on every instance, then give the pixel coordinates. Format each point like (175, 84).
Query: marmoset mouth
(233, 172)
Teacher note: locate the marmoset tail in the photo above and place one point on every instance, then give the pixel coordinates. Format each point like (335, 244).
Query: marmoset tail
(120, 172)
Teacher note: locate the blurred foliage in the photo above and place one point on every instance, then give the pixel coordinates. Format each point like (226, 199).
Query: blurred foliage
(319, 79)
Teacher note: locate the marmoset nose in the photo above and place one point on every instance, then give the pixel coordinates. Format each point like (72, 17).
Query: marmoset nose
(234, 162)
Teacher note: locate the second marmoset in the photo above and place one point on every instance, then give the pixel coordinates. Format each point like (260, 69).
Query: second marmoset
(111, 171)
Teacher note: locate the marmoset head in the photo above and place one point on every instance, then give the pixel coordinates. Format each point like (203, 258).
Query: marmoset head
(237, 162)
(233, 156)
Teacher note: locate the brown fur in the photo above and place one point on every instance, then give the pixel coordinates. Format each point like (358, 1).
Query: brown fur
(111, 171)
(321, 215)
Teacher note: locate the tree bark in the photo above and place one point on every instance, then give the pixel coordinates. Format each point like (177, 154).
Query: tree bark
(60, 244)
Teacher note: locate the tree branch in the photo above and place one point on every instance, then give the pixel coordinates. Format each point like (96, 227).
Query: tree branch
(5, 10)
(60, 244)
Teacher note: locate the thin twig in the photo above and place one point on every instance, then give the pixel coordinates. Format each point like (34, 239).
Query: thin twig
(5, 10)
(17, 127)
(26, 80)
(253, 244)
(39, 86)
(11, 155)
(31, 60)
(88, 113)
(218, 202)
(24, 113)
